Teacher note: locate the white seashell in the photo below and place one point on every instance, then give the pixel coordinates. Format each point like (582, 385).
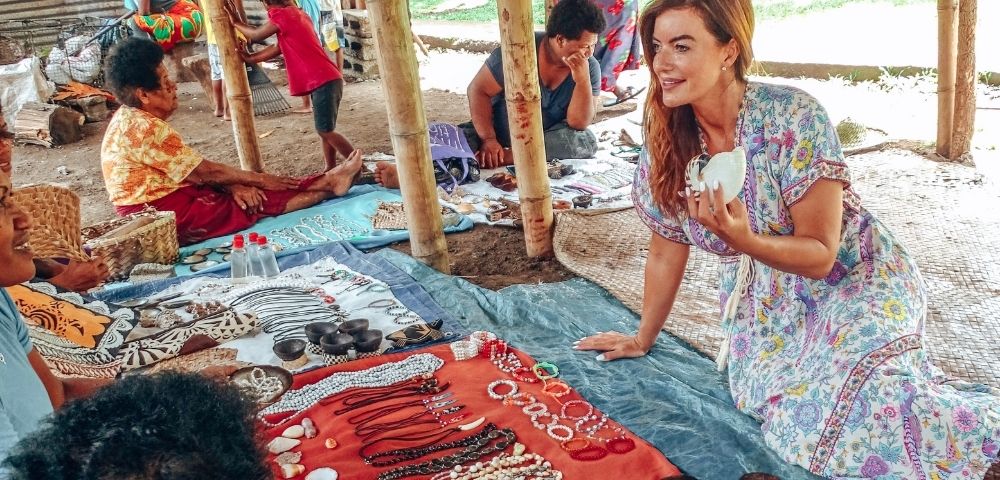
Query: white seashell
(295, 431)
(325, 473)
(471, 425)
(727, 168)
(288, 458)
(282, 444)
(309, 428)
(292, 470)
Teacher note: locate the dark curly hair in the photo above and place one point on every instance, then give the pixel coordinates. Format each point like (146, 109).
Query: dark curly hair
(132, 65)
(570, 18)
(167, 426)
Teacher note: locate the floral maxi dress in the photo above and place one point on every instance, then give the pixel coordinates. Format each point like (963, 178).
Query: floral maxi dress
(835, 369)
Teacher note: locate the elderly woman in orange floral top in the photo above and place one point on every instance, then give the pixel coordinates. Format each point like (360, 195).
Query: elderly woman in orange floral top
(145, 162)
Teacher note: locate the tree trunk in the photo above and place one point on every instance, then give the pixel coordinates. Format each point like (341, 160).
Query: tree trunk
(237, 88)
(524, 115)
(408, 130)
(965, 81)
(947, 53)
(46, 124)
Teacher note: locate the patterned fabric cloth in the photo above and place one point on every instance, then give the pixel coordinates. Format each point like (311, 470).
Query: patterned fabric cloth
(143, 158)
(619, 47)
(183, 22)
(835, 369)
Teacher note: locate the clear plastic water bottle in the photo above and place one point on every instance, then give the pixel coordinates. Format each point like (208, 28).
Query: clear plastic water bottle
(238, 260)
(254, 267)
(267, 260)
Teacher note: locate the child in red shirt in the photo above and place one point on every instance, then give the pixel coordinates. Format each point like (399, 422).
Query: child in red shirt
(310, 71)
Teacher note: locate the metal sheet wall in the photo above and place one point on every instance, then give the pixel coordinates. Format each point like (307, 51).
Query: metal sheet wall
(37, 23)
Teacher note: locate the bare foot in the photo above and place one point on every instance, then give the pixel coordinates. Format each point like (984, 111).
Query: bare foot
(218, 113)
(387, 175)
(303, 110)
(342, 177)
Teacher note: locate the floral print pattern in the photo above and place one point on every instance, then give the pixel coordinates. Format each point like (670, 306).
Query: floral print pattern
(834, 369)
(618, 48)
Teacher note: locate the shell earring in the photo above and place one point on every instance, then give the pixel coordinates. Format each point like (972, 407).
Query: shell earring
(724, 68)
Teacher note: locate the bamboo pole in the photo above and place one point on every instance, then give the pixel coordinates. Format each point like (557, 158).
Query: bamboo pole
(524, 114)
(237, 87)
(965, 81)
(397, 62)
(947, 53)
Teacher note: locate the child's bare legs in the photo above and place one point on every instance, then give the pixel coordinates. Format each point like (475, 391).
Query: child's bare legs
(334, 143)
(306, 105)
(221, 102)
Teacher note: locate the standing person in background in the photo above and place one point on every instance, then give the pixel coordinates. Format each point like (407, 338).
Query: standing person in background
(310, 70)
(332, 25)
(619, 47)
(215, 62)
(311, 7)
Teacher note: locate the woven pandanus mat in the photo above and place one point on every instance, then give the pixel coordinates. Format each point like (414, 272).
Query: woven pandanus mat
(946, 215)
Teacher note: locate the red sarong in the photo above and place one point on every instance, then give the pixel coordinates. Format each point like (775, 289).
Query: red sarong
(205, 212)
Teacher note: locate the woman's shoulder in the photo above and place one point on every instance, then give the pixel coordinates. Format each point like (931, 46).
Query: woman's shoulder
(783, 101)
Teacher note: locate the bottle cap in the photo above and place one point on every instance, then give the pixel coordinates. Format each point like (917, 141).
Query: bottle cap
(238, 236)
(262, 240)
(238, 241)
(252, 237)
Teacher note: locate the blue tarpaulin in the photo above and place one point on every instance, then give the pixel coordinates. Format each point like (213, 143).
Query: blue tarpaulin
(673, 397)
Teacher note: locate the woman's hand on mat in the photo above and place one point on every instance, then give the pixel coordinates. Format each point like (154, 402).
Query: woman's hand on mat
(490, 154)
(614, 345)
(250, 199)
(727, 221)
(267, 181)
(80, 276)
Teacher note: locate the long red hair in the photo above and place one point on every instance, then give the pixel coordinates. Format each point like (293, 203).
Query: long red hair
(671, 134)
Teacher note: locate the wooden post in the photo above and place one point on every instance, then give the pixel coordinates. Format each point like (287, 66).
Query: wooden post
(524, 114)
(549, 4)
(237, 87)
(397, 62)
(965, 81)
(947, 53)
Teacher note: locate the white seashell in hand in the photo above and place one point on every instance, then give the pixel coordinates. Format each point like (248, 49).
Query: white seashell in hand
(295, 431)
(727, 168)
(282, 444)
(325, 473)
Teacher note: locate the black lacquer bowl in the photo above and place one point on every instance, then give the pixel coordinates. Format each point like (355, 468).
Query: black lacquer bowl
(314, 331)
(368, 341)
(336, 343)
(355, 326)
(290, 350)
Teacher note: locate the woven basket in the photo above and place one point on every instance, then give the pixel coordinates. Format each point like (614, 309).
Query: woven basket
(55, 213)
(146, 237)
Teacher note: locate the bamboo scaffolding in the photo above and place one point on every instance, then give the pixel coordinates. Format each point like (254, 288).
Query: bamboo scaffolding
(965, 81)
(237, 88)
(397, 63)
(947, 64)
(524, 114)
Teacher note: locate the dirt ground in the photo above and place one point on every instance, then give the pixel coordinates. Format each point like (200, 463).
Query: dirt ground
(490, 257)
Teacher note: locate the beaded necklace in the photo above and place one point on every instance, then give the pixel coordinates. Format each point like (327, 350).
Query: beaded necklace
(383, 375)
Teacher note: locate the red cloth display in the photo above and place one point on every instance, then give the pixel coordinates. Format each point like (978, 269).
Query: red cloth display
(305, 60)
(469, 380)
(204, 212)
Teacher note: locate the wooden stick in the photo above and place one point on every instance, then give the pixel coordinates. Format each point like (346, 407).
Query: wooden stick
(397, 62)
(947, 64)
(237, 87)
(965, 81)
(524, 114)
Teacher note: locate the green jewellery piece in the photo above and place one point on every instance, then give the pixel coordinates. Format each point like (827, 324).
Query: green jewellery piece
(545, 370)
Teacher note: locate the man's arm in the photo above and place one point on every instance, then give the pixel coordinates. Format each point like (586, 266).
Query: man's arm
(61, 390)
(481, 91)
(581, 110)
